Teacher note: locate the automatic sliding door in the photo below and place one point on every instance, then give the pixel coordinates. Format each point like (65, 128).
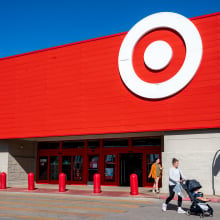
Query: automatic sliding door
(131, 163)
(72, 166)
(54, 168)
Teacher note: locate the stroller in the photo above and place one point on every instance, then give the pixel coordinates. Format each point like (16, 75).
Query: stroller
(197, 206)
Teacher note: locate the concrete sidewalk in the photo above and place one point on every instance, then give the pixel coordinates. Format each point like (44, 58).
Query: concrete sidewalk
(87, 190)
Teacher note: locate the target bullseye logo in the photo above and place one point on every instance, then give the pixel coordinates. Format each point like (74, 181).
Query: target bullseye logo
(158, 55)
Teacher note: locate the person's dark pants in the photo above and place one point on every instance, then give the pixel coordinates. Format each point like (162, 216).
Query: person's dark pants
(172, 193)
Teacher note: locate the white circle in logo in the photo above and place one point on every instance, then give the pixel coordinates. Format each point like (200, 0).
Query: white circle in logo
(193, 44)
(158, 55)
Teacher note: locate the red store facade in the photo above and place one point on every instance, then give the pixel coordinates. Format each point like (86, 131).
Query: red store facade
(112, 105)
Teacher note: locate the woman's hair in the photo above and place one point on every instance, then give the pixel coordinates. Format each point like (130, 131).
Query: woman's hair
(174, 160)
(156, 159)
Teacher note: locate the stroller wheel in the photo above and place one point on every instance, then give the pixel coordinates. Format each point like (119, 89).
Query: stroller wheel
(211, 215)
(201, 215)
(188, 212)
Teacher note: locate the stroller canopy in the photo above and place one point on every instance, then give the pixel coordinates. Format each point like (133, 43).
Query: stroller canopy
(193, 185)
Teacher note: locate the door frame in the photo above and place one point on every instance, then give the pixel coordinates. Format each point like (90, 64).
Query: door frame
(144, 151)
(115, 182)
(141, 152)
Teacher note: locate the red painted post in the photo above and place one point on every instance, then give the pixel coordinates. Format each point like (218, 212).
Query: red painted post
(134, 184)
(3, 180)
(31, 181)
(97, 183)
(62, 182)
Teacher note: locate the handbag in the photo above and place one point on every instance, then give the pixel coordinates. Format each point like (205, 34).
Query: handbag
(178, 190)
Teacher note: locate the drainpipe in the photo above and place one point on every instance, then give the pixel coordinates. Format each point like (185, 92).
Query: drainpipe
(213, 162)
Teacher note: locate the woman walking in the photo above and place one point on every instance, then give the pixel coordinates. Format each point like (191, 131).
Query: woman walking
(155, 172)
(175, 176)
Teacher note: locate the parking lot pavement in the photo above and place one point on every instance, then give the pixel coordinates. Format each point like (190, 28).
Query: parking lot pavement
(49, 206)
(154, 212)
(53, 207)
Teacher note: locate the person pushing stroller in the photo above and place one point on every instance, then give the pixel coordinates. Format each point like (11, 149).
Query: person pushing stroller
(175, 178)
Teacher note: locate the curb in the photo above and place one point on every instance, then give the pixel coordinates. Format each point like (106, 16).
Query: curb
(102, 194)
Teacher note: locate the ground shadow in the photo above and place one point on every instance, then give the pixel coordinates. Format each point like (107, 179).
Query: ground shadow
(174, 207)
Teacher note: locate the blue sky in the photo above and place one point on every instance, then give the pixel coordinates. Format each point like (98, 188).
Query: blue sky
(28, 25)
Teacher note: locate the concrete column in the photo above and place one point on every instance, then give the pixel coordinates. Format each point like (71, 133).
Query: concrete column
(195, 151)
(3, 156)
(21, 160)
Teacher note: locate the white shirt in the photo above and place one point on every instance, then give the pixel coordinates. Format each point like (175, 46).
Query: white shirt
(174, 176)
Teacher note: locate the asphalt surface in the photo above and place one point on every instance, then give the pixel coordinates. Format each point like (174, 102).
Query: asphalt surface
(52, 207)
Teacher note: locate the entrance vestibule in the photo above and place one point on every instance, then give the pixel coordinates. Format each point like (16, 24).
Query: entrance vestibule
(114, 159)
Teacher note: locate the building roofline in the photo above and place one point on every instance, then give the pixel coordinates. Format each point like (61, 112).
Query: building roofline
(205, 16)
(89, 40)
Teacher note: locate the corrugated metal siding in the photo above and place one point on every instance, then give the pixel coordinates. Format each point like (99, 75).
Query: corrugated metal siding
(77, 89)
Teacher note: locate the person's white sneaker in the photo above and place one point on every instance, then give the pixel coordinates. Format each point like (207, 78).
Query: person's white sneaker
(164, 207)
(180, 211)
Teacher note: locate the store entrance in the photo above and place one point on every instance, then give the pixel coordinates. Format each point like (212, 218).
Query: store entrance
(131, 163)
(114, 159)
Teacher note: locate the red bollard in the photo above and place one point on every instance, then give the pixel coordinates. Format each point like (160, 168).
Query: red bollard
(97, 183)
(62, 182)
(31, 181)
(3, 180)
(134, 184)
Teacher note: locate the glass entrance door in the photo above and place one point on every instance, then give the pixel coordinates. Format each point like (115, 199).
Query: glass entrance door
(67, 167)
(131, 163)
(110, 169)
(72, 166)
(77, 168)
(115, 159)
(43, 169)
(54, 169)
(93, 162)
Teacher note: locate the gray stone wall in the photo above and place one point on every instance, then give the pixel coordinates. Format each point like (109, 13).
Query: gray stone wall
(195, 151)
(21, 160)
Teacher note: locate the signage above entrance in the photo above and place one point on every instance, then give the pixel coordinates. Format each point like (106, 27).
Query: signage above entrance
(158, 55)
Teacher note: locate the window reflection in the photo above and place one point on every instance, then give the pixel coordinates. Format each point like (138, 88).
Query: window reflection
(77, 168)
(115, 143)
(110, 168)
(54, 167)
(73, 144)
(43, 168)
(144, 142)
(66, 166)
(93, 166)
(93, 144)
